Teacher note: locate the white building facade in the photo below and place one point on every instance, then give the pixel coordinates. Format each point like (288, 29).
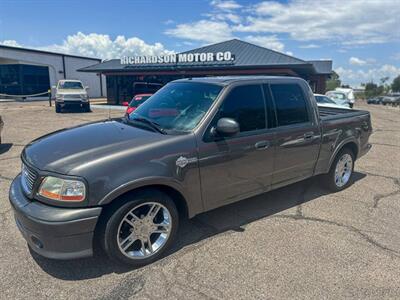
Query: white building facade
(29, 71)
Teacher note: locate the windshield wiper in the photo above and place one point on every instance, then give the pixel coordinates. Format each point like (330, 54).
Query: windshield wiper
(152, 124)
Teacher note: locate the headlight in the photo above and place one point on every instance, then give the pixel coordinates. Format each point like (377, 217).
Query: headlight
(62, 189)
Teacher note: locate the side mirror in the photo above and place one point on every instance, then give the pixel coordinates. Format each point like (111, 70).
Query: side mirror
(86, 87)
(226, 127)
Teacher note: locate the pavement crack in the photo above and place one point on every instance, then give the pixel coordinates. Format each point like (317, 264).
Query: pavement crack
(379, 197)
(6, 178)
(351, 228)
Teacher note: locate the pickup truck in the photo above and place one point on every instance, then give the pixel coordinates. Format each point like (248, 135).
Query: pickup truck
(71, 93)
(197, 144)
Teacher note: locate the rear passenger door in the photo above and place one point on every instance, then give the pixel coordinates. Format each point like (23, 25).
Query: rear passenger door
(233, 168)
(297, 134)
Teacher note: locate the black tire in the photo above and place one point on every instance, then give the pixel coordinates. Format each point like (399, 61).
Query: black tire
(329, 179)
(86, 107)
(58, 108)
(110, 232)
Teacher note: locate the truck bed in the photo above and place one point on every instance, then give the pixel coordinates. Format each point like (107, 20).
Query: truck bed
(327, 113)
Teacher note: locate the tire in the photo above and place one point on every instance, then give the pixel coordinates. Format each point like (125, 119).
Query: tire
(58, 108)
(86, 107)
(330, 180)
(117, 229)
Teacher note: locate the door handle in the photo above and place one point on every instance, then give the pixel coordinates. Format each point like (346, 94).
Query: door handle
(308, 135)
(262, 145)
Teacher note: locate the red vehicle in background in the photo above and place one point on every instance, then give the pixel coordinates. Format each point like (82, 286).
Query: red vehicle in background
(135, 102)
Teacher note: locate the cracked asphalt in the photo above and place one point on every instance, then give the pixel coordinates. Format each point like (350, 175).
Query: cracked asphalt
(296, 242)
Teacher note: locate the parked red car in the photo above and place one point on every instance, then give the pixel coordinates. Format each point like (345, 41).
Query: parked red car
(135, 102)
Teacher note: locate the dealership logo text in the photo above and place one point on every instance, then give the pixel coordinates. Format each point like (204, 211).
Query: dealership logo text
(178, 58)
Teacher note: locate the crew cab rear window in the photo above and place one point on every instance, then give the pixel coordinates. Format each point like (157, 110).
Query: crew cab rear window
(245, 104)
(290, 103)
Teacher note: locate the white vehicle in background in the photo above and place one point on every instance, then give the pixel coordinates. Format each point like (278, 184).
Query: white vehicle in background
(325, 101)
(339, 98)
(71, 93)
(349, 95)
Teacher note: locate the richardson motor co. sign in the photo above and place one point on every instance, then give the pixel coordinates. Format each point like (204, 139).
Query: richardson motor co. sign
(179, 58)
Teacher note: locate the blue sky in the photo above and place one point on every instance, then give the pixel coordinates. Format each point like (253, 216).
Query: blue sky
(361, 37)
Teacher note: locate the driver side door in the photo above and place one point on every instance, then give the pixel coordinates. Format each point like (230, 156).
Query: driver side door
(237, 167)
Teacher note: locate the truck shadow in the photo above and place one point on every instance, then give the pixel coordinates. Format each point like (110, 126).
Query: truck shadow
(202, 227)
(5, 147)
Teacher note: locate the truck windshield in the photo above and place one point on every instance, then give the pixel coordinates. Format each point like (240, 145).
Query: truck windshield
(70, 85)
(178, 106)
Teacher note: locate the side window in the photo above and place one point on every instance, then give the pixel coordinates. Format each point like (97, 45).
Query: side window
(291, 107)
(245, 104)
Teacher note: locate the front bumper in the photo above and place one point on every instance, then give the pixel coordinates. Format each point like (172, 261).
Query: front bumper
(54, 232)
(76, 102)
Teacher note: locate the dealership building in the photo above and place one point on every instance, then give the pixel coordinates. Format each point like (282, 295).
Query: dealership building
(128, 76)
(28, 72)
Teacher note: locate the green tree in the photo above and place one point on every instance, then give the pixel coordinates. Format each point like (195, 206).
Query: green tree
(333, 82)
(372, 90)
(396, 84)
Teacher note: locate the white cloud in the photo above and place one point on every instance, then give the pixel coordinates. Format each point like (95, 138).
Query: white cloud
(309, 46)
(357, 61)
(271, 42)
(234, 18)
(356, 77)
(347, 22)
(225, 5)
(203, 31)
(101, 46)
(12, 43)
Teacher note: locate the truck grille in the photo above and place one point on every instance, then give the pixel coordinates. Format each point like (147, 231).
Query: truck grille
(72, 96)
(28, 178)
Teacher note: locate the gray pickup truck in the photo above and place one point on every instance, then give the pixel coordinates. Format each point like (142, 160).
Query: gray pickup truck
(195, 145)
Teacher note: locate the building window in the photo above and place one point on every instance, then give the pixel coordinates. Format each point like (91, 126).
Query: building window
(21, 79)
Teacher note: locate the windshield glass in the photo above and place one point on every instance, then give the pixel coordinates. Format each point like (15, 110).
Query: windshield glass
(138, 100)
(70, 85)
(178, 106)
(324, 99)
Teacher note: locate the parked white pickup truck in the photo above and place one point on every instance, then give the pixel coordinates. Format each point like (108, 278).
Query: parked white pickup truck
(71, 93)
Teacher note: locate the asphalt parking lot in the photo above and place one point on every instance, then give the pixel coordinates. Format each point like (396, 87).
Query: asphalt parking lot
(296, 242)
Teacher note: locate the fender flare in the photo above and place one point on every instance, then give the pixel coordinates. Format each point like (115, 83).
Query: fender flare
(340, 146)
(142, 183)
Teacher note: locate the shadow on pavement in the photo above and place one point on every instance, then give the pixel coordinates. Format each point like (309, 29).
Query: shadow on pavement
(5, 147)
(201, 227)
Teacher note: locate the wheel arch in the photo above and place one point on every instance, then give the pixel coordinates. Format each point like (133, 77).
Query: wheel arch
(349, 144)
(119, 196)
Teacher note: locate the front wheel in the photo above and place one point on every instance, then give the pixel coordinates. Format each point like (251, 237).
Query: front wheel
(339, 176)
(141, 230)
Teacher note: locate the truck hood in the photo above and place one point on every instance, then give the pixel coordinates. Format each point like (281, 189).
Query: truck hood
(68, 149)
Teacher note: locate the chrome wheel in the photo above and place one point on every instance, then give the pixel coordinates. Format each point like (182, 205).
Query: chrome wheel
(144, 230)
(343, 170)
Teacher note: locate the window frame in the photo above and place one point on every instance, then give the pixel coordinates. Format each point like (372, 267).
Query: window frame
(296, 125)
(206, 135)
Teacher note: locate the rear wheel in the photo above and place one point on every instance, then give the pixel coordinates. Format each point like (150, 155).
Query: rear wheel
(339, 176)
(141, 230)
